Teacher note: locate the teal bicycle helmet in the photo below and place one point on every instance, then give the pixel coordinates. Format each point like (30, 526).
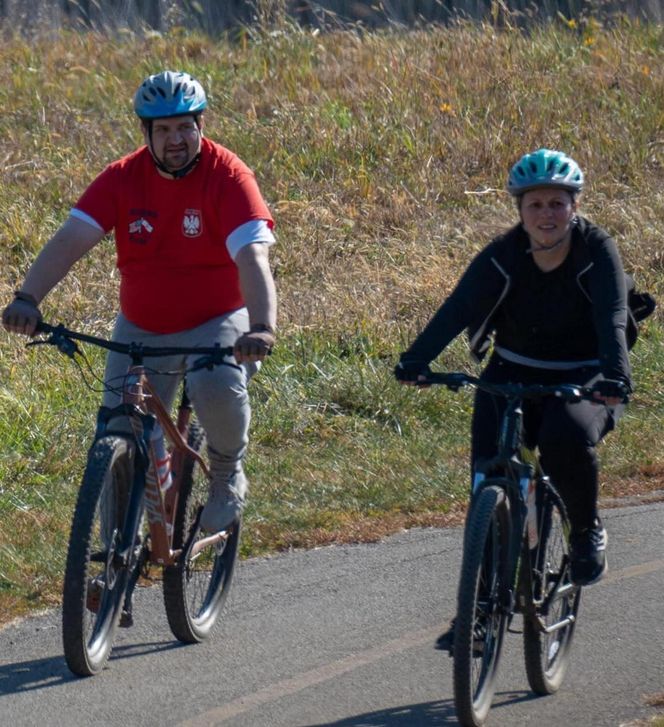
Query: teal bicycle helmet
(545, 168)
(170, 93)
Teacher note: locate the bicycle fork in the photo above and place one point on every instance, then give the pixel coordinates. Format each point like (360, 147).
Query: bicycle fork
(132, 556)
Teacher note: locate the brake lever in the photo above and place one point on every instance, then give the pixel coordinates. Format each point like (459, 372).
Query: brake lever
(211, 360)
(456, 382)
(204, 362)
(68, 347)
(65, 345)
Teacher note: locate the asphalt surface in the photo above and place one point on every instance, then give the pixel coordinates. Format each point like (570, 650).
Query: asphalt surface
(344, 636)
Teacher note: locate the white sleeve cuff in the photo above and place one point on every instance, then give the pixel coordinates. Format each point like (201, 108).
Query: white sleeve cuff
(86, 218)
(248, 233)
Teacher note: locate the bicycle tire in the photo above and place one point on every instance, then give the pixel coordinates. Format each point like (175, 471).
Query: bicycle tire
(94, 587)
(547, 654)
(481, 619)
(195, 590)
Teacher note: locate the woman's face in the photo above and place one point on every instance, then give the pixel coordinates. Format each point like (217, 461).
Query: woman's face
(547, 214)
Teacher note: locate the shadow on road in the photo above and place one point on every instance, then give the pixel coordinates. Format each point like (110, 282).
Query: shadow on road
(25, 676)
(420, 715)
(504, 699)
(412, 715)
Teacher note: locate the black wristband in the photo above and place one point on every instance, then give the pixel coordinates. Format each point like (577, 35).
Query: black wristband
(261, 328)
(26, 297)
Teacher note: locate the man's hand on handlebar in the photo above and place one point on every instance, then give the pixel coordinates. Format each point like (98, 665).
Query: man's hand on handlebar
(22, 315)
(254, 345)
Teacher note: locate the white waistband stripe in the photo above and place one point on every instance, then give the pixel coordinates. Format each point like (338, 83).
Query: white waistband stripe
(538, 364)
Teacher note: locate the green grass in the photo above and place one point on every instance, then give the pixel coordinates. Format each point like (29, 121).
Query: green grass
(384, 158)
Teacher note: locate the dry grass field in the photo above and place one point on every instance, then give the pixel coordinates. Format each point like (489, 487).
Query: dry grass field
(384, 158)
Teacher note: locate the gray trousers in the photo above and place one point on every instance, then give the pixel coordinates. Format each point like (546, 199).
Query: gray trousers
(219, 397)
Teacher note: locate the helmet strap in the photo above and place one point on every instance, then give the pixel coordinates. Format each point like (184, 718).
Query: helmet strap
(178, 173)
(544, 248)
(548, 248)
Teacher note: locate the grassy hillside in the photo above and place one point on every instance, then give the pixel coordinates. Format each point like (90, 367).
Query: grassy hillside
(384, 158)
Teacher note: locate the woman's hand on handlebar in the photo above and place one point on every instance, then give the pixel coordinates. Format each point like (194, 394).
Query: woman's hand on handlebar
(412, 373)
(610, 392)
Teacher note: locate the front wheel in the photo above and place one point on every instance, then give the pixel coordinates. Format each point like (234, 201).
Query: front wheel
(481, 612)
(196, 587)
(547, 636)
(95, 582)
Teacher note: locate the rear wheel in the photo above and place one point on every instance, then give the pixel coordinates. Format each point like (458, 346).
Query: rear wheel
(481, 617)
(196, 587)
(548, 636)
(95, 582)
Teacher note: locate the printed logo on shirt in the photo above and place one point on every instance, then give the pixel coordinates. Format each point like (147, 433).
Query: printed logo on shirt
(192, 223)
(138, 229)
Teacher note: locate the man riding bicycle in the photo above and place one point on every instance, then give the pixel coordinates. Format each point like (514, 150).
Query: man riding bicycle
(552, 293)
(192, 235)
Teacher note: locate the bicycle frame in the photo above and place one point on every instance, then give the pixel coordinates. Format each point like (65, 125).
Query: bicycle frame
(132, 473)
(508, 465)
(519, 589)
(141, 404)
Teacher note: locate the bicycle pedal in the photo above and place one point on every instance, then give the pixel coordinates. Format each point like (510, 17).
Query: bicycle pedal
(93, 596)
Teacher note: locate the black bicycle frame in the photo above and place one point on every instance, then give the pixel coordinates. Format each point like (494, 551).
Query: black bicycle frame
(508, 466)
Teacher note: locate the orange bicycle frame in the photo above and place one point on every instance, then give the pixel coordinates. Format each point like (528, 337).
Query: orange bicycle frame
(161, 507)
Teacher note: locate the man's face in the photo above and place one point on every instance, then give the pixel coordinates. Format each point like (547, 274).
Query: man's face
(175, 140)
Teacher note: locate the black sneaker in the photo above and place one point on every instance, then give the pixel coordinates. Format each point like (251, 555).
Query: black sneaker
(445, 642)
(588, 555)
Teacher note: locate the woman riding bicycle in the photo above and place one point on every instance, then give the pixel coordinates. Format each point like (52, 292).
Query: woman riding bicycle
(552, 293)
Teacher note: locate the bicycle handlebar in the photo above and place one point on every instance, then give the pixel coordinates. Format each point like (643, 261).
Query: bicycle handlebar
(64, 339)
(569, 392)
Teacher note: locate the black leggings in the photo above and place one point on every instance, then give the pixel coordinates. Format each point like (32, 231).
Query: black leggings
(565, 433)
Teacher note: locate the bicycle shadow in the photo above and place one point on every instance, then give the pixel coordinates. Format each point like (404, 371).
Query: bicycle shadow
(35, 674)
(410, 715)
(423, 714)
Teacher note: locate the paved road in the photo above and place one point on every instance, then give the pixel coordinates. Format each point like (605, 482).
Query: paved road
(344, 636)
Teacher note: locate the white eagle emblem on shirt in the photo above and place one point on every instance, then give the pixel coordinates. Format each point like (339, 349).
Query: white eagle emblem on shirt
(192, 223)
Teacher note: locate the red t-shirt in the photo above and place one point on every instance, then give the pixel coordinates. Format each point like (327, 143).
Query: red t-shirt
(170, 234)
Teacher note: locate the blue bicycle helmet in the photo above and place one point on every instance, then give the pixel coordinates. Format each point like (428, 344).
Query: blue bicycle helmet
(545, 168)
(170, 93)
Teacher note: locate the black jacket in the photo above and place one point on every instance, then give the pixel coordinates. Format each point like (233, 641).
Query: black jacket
(473, 303)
